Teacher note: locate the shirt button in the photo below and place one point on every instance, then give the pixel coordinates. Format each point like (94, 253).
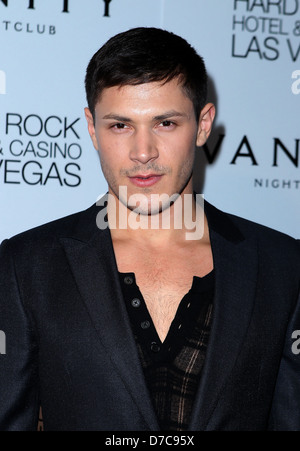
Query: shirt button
(145, 325)
(155, 347)
(135, 302)
(128, 280)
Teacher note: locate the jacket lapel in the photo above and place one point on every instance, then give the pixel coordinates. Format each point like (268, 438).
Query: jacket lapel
(94, 268)
(235, 262)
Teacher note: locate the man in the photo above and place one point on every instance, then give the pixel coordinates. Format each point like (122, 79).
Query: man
(150, 313)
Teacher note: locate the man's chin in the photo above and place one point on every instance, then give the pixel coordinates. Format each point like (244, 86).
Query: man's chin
(145, 204)
(145, 210)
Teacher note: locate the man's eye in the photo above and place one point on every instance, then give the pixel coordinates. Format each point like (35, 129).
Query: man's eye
(119, 126)
(167, 123)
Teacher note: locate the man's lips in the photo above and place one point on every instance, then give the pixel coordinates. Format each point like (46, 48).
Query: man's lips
(145, 180)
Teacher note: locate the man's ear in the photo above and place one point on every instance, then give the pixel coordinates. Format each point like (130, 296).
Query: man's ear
(206, 119)
(91, 126)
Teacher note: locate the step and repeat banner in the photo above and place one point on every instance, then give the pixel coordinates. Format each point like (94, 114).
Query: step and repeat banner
(250, 165)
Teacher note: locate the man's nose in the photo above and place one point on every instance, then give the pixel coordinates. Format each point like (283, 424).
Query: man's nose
(144, 147)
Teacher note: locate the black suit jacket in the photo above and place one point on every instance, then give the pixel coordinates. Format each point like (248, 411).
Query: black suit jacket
(69, 345)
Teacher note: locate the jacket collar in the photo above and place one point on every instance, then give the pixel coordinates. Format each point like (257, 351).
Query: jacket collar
(222, 224)
(86, 230)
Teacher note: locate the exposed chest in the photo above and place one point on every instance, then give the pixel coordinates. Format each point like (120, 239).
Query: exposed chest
(164, 279)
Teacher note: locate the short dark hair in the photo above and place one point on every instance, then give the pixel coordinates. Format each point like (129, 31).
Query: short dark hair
(143, 55)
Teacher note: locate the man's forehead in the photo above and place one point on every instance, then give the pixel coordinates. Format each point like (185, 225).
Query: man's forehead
(169, 91)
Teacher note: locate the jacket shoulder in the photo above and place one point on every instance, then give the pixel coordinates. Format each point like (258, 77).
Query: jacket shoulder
(237, 228)
(51, 232)
(265, 233)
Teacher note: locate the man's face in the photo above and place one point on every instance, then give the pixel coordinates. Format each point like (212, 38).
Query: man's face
(146, 137)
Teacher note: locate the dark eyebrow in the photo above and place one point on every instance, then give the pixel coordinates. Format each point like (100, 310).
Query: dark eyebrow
(116, 117)
(160, 117)
(168, 115)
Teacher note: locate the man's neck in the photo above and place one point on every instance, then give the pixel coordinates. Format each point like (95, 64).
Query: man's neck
(181, 223)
